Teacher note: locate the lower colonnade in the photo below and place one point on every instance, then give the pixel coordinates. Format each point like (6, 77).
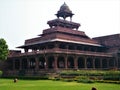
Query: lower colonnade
(61, 62)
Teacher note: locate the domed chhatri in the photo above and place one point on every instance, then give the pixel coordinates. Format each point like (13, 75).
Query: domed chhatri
(65, 8)
(64, 12)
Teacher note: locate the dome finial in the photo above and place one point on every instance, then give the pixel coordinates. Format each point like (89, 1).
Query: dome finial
(64, 3)
(64, 12)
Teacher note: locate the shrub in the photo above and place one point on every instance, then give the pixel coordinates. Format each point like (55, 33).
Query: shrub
(1, 73)
(67, 80)
(84, 79)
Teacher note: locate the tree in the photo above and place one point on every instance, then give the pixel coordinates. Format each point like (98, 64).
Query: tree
(3, 49)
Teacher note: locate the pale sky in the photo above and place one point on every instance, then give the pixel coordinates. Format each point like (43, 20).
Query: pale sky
(25, 19)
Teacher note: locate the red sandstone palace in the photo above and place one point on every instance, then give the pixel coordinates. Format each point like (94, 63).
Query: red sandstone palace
(64, 47)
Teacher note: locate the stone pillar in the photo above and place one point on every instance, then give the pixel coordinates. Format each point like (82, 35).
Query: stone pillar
(85, 63)
(75, 47)
(13, 64)
(101, 63)
(26, 50)
(93, 63)
(107, 63)
(55, 62)
(56, 45)
(28, 64)
(36, 63)
(46, 63)
(75, 62)
(66, 66)
(115, 62)
(20, 61)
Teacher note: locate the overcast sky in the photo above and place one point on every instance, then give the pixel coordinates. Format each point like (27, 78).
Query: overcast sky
(24, 19)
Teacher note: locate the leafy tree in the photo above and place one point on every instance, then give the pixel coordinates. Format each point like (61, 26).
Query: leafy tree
(3, 49)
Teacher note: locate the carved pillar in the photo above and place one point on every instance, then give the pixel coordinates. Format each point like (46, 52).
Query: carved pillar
(36, 63)
(66, 66)
(93, 63)
(85, 62)
(20, 61)
(55, 62)
(115, 63)
(26, 50)
(101, 63)
(56, 45)
(75, 62)
(46, 63)
(107, 63)
(28, 63)
(13, 64)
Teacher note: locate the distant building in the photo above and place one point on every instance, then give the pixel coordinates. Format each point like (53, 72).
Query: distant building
(64, 47)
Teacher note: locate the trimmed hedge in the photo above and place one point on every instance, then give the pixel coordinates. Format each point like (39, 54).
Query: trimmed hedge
(91, 75)
(84, 79)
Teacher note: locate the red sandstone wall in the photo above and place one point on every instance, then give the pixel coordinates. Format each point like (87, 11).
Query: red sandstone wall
(111, 41)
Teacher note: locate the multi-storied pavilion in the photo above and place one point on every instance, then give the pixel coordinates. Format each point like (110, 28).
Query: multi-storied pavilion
(61, 47)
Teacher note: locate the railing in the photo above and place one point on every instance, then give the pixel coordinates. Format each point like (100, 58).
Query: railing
(64, 51)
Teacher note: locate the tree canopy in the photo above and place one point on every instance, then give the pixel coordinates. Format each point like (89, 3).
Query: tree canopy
(3, 49)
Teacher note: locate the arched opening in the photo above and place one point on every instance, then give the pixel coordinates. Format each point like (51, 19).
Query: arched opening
(17, 64)
(32, 63)
(118, 62)
(70, 62)
(24, 63)
(41, 62)
(81, 62)
(89, 63)
(61, 62)
(50, 62)
(111, 63)
(97, 63)
(104, 63)
(10, 64)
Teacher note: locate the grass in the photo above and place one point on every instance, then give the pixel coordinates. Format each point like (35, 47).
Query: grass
(7, 84)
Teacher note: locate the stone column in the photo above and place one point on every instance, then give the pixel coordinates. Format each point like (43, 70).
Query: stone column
(28, 64)
(101, 63)
(115, 62)
(13, 64)
(107, 63)
(26, 50)
(55, 62)
(66, 66)
(46, 63)
(56, 45)
(75, 62)
(20, 61)
(85, 63)
(93, 63)
(36, 63)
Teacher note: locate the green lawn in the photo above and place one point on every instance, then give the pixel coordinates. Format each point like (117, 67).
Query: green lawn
(7, 84)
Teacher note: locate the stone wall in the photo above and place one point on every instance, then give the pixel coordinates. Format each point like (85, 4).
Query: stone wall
(112, 42)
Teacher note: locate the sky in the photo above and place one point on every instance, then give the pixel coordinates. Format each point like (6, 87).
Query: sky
(25, 19)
